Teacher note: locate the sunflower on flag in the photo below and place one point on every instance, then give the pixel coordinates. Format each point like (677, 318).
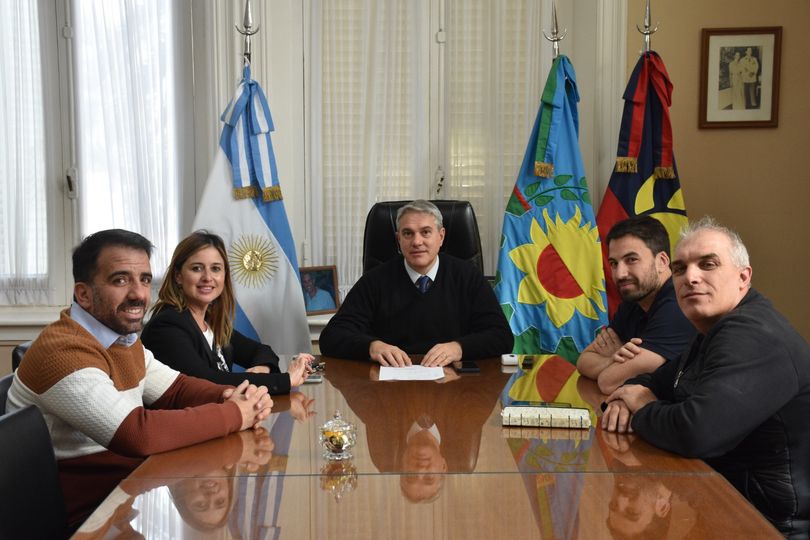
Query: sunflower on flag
(550, 281)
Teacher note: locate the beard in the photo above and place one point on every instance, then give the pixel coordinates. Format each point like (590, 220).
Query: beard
(114, 317)
(644, 286)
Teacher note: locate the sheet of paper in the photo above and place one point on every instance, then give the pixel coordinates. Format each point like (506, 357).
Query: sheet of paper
(411, 373)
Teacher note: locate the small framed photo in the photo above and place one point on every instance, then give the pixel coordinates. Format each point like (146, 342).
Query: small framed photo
(320, 287)
(739, 77)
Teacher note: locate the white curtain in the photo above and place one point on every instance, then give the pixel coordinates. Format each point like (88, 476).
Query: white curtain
(127, 118)
(23, 221)
(496, 62)
(371, 137)
(380, 128)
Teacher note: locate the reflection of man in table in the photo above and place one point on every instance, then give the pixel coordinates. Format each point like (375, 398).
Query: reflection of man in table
(200, 480)
(315, 298)
(642, 501)
(639, 504)
(750, 69)
(420, 428)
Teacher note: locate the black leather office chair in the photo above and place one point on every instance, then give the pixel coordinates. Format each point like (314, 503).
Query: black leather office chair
(5, 383)
(461, 238)
(32, 502)
(17, 354)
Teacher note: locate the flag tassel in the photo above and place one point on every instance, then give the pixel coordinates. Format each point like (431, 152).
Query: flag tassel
(245, 192)
(644, 156)
(627, 165)
(546, 170)
(667, 173)
(272, 193)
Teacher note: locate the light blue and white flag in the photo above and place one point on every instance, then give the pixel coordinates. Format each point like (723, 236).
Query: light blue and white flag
(550, 281)
(242, 203)
(258, 496)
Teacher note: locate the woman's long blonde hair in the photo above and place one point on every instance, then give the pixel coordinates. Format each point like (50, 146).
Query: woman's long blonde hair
(221, 311)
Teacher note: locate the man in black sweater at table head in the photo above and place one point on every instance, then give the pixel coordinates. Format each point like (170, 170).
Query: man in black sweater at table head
(420, 302)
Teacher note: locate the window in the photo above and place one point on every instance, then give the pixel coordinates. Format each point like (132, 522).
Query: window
(419, 100)
(129, 111)
(127, 115)
(436, 99)
(373, 131)
(497, 62)
(32, 212)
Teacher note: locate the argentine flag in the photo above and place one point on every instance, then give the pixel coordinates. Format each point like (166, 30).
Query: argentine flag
(242, 203)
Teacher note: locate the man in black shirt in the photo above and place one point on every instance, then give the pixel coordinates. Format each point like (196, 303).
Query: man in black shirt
(648, 328)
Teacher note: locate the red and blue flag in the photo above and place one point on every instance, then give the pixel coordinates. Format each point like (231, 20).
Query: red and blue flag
(645, 178)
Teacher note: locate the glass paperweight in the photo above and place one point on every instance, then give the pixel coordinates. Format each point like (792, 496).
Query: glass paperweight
(339, 478)
(337, 436)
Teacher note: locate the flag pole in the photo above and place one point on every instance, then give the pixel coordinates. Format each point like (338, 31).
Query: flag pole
(247, 30)
(648, 31)
(555, 36)
(243, 204)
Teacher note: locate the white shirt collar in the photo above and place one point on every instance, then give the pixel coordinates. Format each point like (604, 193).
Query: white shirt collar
(416, 428)
(414, 275)
(104, 334)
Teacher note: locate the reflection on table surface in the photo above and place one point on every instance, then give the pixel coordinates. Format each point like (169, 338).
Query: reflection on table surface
(431, 460)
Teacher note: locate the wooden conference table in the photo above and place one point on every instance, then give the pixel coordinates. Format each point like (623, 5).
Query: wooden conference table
(481, 481)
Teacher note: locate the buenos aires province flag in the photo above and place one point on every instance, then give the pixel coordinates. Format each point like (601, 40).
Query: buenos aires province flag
(550, 281)
(242, 203)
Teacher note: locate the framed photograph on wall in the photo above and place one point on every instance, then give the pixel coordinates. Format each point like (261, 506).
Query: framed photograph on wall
(320, 287)
(739, 77)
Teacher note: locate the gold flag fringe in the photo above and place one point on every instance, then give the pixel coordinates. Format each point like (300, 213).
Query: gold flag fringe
(665, 172)
(546, 170)
(272, 193)
(245, 192)
(279, 463)
(626, 164)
